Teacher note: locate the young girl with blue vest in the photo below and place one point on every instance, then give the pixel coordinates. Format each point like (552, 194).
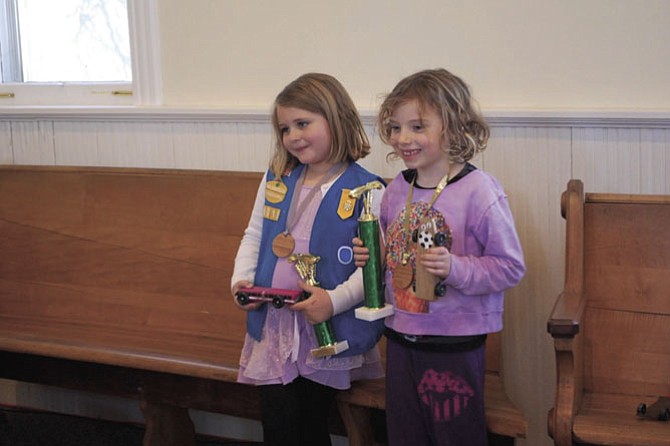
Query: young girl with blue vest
(447, 219)
(303, 206)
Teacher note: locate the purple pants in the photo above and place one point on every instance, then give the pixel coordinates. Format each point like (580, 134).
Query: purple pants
(435, 398)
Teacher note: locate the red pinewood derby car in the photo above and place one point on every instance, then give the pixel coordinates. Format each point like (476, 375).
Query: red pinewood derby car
(277, 296)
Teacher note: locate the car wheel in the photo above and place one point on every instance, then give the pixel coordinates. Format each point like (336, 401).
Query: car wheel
(242, 298)
(642, 409)
(440, 289)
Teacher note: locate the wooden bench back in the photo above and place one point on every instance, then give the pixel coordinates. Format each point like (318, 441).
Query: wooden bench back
(127, 267)
(627, 284)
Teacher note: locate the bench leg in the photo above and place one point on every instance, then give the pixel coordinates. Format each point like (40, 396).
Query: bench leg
(167, 425)
(499, 440)
(357, 422)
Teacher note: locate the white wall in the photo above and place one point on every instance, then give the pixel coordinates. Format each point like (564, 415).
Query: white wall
(516, 53)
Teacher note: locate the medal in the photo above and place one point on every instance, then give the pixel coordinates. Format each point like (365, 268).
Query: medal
(283, 245)
(403, 275)
(275, 192)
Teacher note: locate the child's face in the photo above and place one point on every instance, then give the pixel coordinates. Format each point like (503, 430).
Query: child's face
(305, 135)
(416, 137)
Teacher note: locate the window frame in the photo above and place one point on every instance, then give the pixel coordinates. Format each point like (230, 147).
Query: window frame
(145, 88)
(11, 66)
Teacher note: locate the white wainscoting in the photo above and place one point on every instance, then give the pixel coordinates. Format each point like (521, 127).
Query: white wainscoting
(532, 154)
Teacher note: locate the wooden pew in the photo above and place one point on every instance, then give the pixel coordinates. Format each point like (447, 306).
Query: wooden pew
(611, 324)
(116, 281)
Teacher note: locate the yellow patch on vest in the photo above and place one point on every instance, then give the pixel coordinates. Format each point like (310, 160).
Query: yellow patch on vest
(347, 205)
(271, 213)
(275, 191)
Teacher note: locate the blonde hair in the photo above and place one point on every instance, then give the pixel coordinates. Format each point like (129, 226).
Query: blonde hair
(322, 94)
(462, 125)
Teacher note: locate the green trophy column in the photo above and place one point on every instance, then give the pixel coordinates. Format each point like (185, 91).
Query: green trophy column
(372, 271)
(325, 334)
(368, 231)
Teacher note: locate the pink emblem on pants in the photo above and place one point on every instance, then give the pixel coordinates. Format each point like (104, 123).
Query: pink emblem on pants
(446, 394)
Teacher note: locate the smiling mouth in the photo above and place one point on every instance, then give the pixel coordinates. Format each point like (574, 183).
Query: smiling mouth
(409, 153)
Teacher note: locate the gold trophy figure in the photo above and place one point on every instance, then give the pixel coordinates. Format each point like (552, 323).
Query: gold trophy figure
(305, 264)
(368, 230)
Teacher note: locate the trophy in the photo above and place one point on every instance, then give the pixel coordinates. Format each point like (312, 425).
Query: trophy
(368, 229)
(305, 264)
(427, 286)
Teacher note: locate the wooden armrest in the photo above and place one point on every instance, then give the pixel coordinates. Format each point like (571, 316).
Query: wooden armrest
(569, 306)
(566, 315)
(565, 320)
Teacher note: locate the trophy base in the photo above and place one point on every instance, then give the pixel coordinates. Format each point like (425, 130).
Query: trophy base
(330, 350)
(373, 314)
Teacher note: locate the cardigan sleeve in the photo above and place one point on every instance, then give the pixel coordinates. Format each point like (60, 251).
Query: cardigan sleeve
(246, 259)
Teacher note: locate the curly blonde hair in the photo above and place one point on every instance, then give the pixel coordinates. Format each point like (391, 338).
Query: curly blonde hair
(462, 124)
(322, 94)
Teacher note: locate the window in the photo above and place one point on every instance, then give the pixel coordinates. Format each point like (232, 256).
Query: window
(78, 52)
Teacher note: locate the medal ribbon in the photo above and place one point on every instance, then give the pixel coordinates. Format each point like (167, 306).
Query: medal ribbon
(440, 187)
(294, 211)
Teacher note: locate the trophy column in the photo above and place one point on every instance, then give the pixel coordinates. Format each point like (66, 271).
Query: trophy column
(305, 264)
(368, 230)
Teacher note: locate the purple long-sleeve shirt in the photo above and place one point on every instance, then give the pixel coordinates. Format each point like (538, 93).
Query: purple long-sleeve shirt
(486, 255)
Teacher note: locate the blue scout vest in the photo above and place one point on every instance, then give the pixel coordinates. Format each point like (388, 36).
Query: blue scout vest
(331, 241)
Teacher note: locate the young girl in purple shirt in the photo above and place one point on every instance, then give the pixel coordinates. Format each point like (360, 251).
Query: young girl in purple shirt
(443, 219)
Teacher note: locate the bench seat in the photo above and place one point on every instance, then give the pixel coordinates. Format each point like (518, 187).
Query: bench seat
(611, 419)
